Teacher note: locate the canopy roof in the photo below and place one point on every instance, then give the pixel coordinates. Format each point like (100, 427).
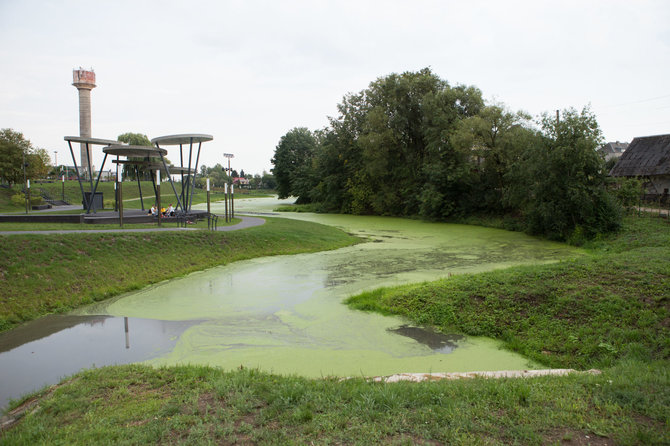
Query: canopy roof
(186, 138)
(88, 140)
(135, 151)
(155, 166)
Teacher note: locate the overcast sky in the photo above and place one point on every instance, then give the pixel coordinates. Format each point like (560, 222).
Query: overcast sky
(247, 72)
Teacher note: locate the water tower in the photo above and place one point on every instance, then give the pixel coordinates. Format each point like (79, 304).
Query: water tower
(84, 80)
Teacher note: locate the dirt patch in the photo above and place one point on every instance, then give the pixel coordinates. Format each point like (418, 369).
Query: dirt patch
(573, 437)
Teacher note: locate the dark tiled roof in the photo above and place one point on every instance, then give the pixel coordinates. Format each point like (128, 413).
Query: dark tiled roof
(645, 156)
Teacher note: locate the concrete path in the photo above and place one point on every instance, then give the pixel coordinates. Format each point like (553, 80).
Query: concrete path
(247, 222)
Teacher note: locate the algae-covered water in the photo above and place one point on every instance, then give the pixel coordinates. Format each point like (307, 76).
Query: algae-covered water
(285, 314)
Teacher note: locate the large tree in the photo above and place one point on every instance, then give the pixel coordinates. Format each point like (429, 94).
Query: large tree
(561, 183)
(14, 150)
(293, 164)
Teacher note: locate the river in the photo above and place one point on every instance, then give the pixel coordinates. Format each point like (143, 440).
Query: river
(284, 314)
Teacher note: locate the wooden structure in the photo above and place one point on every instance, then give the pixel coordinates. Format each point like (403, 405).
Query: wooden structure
(647, 158)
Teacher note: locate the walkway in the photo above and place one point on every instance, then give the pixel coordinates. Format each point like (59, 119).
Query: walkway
(247, 222)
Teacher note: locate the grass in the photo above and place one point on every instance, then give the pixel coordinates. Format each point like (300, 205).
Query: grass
(608, 310)
(49, 273)
(138, 404)
(202, 224)
(583, 313)
(131, 194)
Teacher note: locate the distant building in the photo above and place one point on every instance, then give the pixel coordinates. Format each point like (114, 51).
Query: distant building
(613, 149)
(647, 158)
(241, 181)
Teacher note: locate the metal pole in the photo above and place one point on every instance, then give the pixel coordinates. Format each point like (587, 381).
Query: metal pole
(90, 176)
(76, 170)
(232, 202)
(139, 186)
(225, 199)
(96, 184)
(179, 204)
(195, 172)
(181, 160)
(209, 213)
(25, 184)
(158, 195)
(188, 184)
(120, 190)
(63, 181)
(28, 201)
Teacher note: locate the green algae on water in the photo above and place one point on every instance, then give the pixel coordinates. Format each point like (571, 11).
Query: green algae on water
(285, 314)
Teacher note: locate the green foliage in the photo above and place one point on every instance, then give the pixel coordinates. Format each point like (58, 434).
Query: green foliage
(293, 170)
(14, 149)
(410, 144)
(628, 192)
(563, 180)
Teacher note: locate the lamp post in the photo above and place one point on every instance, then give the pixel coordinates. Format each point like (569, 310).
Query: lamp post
(56, 158)
(230, 176)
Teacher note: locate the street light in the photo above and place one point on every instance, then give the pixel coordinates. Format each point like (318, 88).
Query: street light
(56, 156)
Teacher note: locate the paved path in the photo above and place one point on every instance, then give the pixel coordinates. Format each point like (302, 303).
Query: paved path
(247, 222)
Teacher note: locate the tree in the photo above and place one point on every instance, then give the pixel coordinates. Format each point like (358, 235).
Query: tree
(135, 139)
(14, 149)
(293, 168)
(563, 180)
(496, 138)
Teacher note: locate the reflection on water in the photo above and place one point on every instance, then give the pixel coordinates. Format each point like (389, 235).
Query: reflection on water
(438, 342)
(42, 352)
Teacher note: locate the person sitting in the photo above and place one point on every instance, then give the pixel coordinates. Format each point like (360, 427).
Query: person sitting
(154, 210)
(170, 211)
(163, 212)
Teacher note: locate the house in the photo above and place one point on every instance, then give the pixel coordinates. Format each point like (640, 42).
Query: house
(647, 158)
(613, 149)
(241, 181)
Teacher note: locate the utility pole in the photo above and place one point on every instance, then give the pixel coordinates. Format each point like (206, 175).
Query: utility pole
(558, 119)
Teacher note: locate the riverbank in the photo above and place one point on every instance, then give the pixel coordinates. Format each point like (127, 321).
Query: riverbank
(589, 312)
(45, 274)
(614, 301)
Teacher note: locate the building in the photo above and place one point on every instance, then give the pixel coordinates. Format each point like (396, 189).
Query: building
(613, 149)
(647, 158)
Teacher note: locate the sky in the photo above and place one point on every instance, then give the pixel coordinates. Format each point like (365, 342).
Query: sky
(247, 72)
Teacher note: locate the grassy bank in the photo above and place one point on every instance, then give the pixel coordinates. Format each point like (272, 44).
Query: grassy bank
(589, 312)
(609, 310)
(198, 405)
(41, 274)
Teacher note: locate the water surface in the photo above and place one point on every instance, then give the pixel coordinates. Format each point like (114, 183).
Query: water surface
(283, 314)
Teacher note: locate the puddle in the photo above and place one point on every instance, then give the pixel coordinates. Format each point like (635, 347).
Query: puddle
(46, 350)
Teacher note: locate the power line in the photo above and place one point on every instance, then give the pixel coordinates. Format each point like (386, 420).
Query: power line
(637, 102)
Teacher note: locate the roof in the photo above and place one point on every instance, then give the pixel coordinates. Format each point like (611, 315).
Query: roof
(614, 147)
(645, 156)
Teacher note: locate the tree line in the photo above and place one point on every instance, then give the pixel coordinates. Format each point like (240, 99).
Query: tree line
(413, 145)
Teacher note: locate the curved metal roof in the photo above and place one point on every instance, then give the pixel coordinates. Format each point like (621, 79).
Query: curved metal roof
(186, 138)
(135, 151)
(95, 141)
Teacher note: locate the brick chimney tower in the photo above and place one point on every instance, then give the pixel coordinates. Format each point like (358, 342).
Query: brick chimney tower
(84, 80)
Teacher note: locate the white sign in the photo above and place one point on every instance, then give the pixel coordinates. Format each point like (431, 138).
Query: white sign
(207, 184)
